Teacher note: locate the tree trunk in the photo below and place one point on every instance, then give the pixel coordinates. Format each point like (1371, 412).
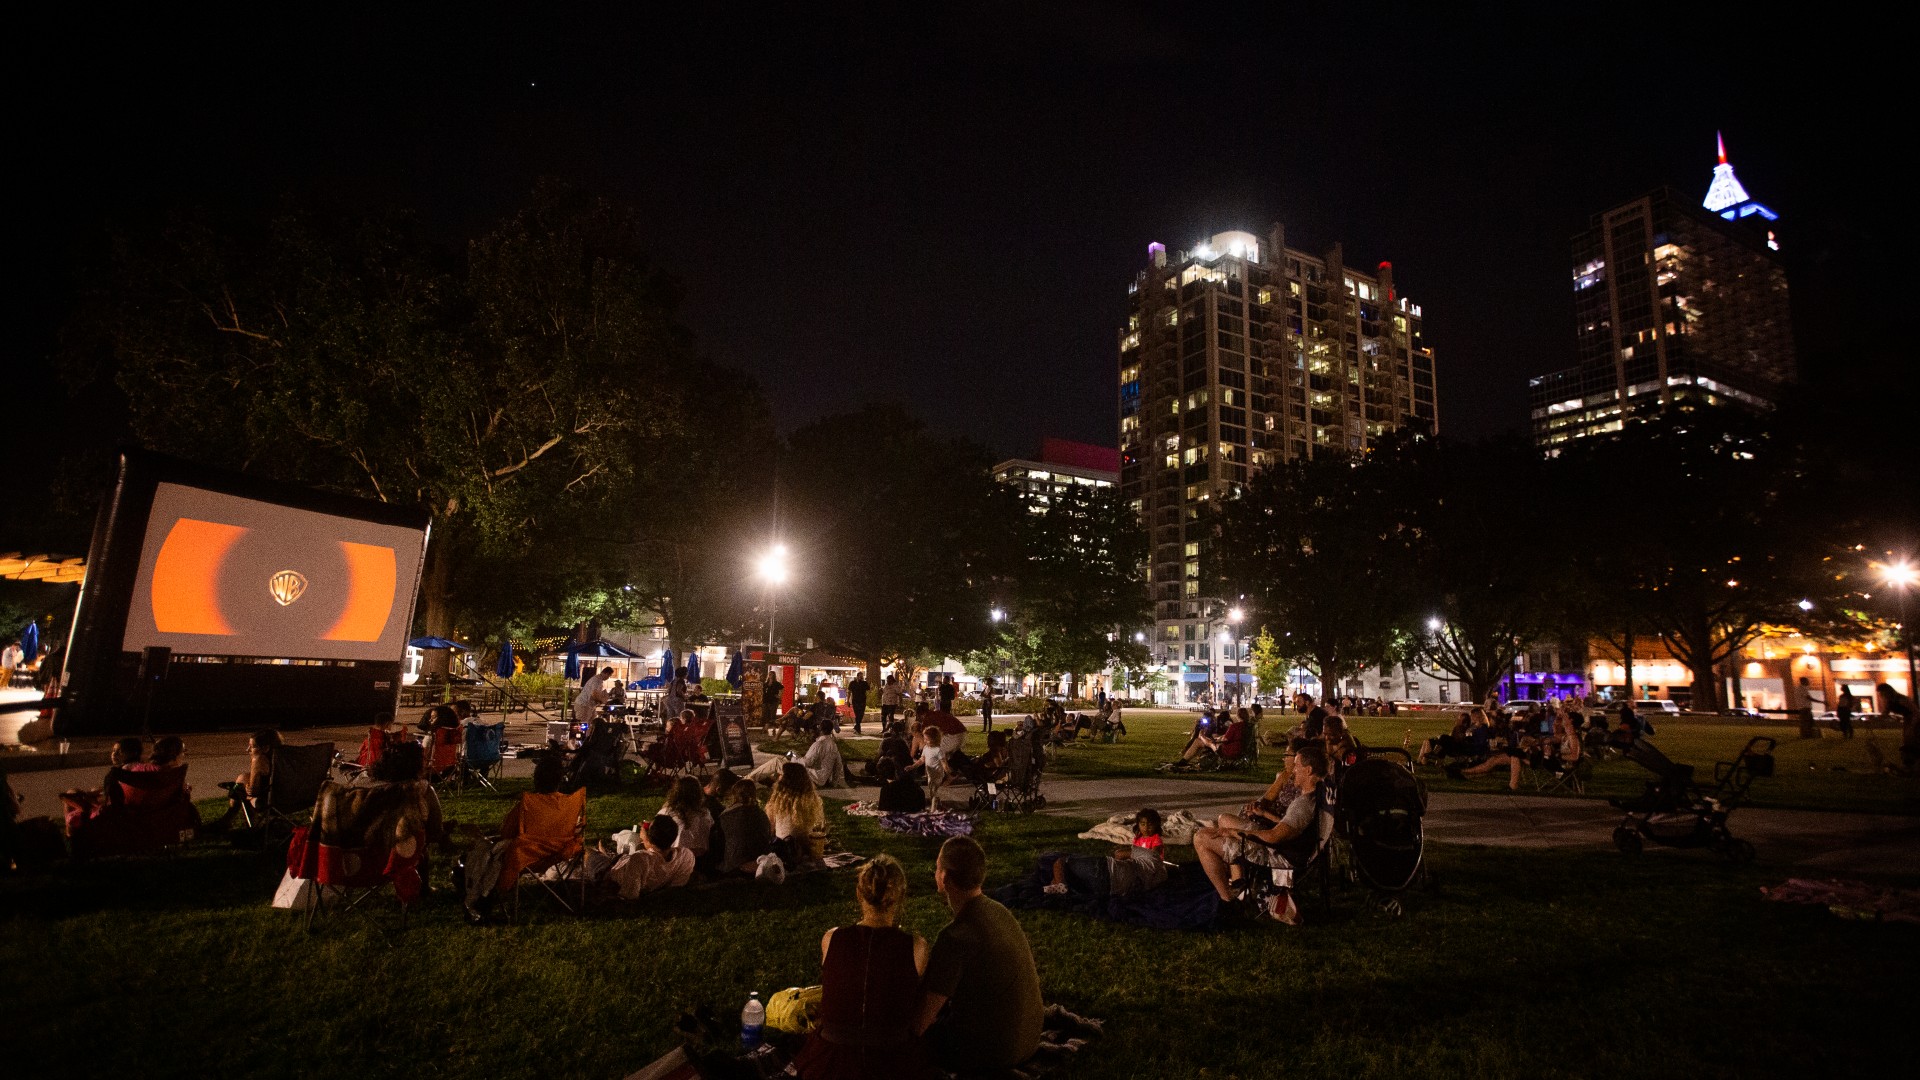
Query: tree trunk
(437, 613)
(1705, 679)
(1626, 659)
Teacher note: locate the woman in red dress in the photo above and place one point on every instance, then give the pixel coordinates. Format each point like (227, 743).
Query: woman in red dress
(870, 988)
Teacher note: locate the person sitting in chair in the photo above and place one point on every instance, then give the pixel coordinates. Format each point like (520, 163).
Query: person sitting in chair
(250, 786)
(1283, 847)
(486, 861)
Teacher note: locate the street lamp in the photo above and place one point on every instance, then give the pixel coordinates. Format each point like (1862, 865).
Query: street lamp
(1902, 576)
(773, 570)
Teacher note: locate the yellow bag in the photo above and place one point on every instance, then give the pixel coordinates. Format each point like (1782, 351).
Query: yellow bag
(795, 1009)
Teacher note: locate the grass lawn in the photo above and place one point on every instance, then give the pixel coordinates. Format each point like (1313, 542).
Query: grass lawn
(1526, 964)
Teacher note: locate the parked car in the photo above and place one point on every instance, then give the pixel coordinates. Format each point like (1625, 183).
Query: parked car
(1650, 706)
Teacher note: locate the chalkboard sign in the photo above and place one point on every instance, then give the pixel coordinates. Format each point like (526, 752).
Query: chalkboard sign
(730, 732)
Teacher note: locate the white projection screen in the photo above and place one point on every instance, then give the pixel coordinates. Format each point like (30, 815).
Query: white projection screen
(229, 576)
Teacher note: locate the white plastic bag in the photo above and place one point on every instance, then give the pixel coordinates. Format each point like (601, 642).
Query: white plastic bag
(293, 892)
(770, 869)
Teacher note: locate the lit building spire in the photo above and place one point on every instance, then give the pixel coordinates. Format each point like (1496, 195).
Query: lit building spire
(1725, 191)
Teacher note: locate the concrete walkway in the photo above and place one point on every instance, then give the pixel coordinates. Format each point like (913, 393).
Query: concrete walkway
(1810, 842)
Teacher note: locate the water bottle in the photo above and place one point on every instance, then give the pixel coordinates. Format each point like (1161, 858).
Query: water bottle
(753, 1019)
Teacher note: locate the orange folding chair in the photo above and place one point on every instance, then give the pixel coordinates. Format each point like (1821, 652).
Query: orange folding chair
(547, 830)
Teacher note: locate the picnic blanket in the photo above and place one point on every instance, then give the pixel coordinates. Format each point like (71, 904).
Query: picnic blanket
(1177, 827)
(1850, 899)
(929, 823)
(1186, 902)
(864, 809)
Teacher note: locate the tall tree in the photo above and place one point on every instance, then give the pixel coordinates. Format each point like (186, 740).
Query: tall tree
(1323, 550)
(1080, 594)
(508, 392)
(900, 537)
(1492, 589)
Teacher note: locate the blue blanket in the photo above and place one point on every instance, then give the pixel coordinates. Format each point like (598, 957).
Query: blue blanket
(1186, 902)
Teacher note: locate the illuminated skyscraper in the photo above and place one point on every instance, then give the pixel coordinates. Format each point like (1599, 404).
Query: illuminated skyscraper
(1236, 354)
(1672, 305)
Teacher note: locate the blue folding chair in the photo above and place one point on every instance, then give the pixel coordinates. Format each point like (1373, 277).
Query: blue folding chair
(481, 758)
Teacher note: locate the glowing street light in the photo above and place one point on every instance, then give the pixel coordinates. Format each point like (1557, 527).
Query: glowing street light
(772, 569)
(1902, 576)
(1434, 624)
(997, 615)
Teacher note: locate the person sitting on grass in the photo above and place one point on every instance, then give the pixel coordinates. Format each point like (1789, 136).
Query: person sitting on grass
(687, 806)
(83, 806)
(716, 789)
(895, 746)
(659, 862)
(869, 988)
(798, 817)
(1455, 743)
(898, 794)
(1283, 847)
(1508, 748)
(980, 1007)
(250, 786)
(1127, 870)
(745, 832)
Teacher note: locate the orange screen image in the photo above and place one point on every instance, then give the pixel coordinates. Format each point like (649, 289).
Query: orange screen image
(230, 576)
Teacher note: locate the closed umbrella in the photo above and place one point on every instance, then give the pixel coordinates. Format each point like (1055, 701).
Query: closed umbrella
(573, 661)
(666, 664)
(693, 667)
(737, 671)
(504, 668)
(30, 643)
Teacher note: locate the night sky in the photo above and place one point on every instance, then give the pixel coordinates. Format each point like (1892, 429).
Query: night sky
(945, 209)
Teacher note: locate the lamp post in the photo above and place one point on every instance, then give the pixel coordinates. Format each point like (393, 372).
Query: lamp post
(998, 616)
(1901, 576)
(773, 571)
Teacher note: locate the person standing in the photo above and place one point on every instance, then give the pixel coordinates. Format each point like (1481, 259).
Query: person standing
(773, 694)
(1802, 706)
(857, 700)
(892, 696)
(986, 706)
(980, 975)
(592, 695)
(1816, 700)
(948, 691)
(1843, 711)
(9, 659)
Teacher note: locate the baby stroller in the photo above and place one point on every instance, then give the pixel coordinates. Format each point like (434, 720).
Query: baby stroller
(1674, 811)
(1379, 807)
(599, 756)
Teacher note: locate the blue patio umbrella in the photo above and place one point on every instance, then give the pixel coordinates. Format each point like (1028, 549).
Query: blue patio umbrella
(30, 643)
(604, 650)
(435, 643)
(573, 660)
(504, 668)
(737, 671)
(693, 667)
(666, 663)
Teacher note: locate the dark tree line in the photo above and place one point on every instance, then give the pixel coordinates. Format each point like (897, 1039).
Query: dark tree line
(1704, 529)
(582, 459)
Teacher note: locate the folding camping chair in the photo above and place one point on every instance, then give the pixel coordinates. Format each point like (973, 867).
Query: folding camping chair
(443, 757)
(292, 788)
(553, 833)
(482, 761)
(153, 816)
(343, 867)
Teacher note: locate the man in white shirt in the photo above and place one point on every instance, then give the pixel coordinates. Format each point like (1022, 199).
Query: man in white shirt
(592, 695)
(9, 659)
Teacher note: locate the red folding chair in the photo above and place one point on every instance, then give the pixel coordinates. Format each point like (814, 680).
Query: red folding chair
(153, 816)
(350, 875)
(443, 755)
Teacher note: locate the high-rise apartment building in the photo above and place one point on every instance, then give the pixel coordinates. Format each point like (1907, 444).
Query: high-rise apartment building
(1673, 304)
(1237, 354)
(1063, 464)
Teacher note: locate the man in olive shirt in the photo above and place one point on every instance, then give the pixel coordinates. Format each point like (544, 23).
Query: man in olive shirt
(981, 972)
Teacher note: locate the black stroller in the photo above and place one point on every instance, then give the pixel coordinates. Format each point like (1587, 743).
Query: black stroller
(1674, 811)
(1380, 807)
